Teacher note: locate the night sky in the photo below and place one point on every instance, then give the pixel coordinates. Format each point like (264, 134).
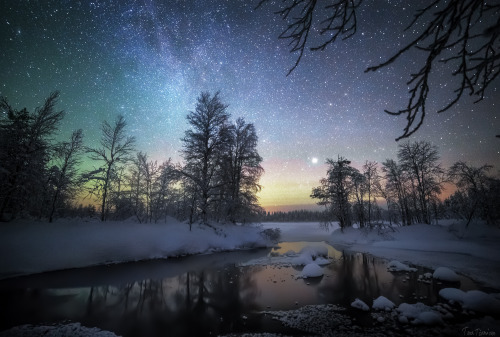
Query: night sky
(149, 60)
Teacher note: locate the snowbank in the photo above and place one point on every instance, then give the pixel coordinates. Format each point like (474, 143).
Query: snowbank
(475, 300)
(31, 247)
(473, 252)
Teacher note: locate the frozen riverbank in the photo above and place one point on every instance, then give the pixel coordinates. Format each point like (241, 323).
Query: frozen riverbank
(473, 252)
(30, 247)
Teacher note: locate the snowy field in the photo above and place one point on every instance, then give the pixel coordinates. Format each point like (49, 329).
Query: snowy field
(29, 247)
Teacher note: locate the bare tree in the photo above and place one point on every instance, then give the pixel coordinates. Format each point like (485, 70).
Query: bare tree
(420, 161)
(115, 148)
(68, 158)
(472, 183)
(373, 187)
(462, 34)
(397, 189)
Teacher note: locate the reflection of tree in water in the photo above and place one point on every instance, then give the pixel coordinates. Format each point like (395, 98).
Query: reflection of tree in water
(191, 304)
(357, 276)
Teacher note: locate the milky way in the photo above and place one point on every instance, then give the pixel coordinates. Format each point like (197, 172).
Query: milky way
(149, 60)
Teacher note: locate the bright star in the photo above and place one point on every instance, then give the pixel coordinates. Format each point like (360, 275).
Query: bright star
(314, 160)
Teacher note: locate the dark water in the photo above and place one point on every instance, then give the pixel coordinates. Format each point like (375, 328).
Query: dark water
(202, 295)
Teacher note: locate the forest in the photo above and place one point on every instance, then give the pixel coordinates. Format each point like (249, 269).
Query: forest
(219, 178)
(41, 178)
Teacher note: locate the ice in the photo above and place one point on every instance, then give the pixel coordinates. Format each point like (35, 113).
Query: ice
(359, 304)
(398, 266)
(445, 274)
(312, 270)
(382, 303)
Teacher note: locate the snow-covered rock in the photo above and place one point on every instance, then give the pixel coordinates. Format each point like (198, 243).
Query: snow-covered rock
(383, 303)
(359, 304)
(398, 266)
(482, 302)
(475, 300)
(418, 313)
(452, 295)
(445, 274)
(312, 270)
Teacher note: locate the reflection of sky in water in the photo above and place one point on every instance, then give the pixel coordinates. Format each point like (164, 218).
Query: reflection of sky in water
(284, 247)
(205, 295)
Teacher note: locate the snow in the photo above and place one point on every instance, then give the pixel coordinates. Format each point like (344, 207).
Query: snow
(359, 304)
(312, 270)
(59, 330)
(445, 274)
(398, 266)
(33, 247)
(472, 251)
(308, 253)
(453, 295)
(475, 300)
(418, 314)
(383, 303)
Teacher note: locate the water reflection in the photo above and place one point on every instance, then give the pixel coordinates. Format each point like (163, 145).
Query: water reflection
(201, 295)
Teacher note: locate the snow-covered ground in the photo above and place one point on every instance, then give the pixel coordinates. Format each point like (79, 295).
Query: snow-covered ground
(473, 252)
(29, 247)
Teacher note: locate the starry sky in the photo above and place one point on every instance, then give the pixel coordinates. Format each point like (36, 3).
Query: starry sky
(149, 60)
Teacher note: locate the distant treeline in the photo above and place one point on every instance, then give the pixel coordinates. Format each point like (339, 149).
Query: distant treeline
(293, 216)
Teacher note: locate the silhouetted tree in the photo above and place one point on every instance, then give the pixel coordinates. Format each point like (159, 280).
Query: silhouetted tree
(373, 187)
(66, 181)
(25, 145)
(243, 171)
(462, 34)
(472, 194)
(336, 190)
(204, 146)
(420, 161)
(115, 149)
(396, 190)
